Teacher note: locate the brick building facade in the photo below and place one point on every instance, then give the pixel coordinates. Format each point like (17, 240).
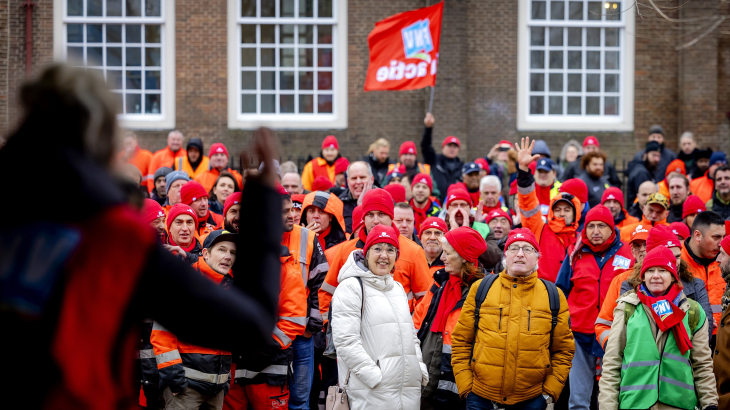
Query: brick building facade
(476, 97)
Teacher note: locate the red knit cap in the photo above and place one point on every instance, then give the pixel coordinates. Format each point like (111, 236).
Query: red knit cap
(659, 257)
(377, 200)
(679, 229)
(433, 222)
(483, 164)
(177, 210)
(280, 189)
(506, 142)
(191, 192)
(408, 147)
(467, 242)
(218, 148)
(521, 235)
(151, 210)
(330, 142)
(341, 165)
(725, 244)
(590, 140)
(692, 205)
(497, 213)
(381, 234)
(321, 183)
(600, 213)
(357, 221)
(397, 191)
(577, 188)
(676, 166)
(233, 199)
(457, 194)
(423, 179)
(662, 235)
(451, 140)
(613, 193)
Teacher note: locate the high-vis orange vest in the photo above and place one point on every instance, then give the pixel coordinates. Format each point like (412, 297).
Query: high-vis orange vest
(714, 283)
(183, 164)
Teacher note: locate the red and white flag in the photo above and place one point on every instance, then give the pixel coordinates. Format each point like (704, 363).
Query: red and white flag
(404, 50)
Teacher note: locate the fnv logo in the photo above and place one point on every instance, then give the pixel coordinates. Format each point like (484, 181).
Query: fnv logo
(662, 309)
(190, 210)
(611, 197)
(434, 223)
(411, 151)
(384, 235)
(519, 235)
(423, 181)
(669, 245)
(417, 42)
(669, 263)
(496, 214)
(219, 149)
(452, 197)
(160, 214)
(331, 146)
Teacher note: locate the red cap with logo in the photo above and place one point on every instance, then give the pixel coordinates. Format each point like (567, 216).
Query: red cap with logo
(218, 148)
(590, 140)
(692, 205)
(680, 229)
(151, 210)
(233, 199)
(467, 242)
(577, 188)
(458, 194)
(613, 193)
(330, 142)
(423, 179)
(397, 191)
(408, 147)
(381, 234)
(433, 222)
(660, 257)
(676, 166)
(497, 213)
(451, 140)
(191, 192)
(177, 210)
(662, 235)
(521, 235)
(640, 233)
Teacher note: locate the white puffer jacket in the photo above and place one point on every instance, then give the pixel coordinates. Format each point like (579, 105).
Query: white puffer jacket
(381, 349)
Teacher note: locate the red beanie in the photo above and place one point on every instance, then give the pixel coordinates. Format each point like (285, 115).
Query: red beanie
(661, 235)
(341, 165)
(613, 193)
(521, 235)
(321, 183)
(679, 229)
(676, 166)
(408, 147)
(577, 188)
(191, 192)
(483, 164)
(692, 205)
(497, 213)
(330, 142)
(451, 140)
(357, 221)
(457, 194)
(467, 242)
(217, 148)
(381, 234)
(423, 179)
(177, 210)
(377, 200)
(725, 244)
(590, 140)
(280, 189)
(233, 199)
(433, 222)
(659, 257)
(600, 213)
(151, 210)
(397, 191)
(506, 142)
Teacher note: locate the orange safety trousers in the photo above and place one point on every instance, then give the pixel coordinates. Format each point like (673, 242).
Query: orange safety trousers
(256, 396)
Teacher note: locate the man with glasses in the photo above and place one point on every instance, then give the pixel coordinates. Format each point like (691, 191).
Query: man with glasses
(585, 277)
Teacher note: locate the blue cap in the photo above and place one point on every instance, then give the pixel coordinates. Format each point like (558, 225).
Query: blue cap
(545, 164)
(718, 157)
(470, 167)
(174, 176)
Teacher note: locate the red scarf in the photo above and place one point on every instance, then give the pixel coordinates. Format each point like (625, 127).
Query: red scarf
(186, 249)
(671, 320)
(449, 298)
(419, 213)
(323, 235)
(599, 249)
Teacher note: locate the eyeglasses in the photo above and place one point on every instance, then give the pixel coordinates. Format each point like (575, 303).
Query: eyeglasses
(379, 250)
(639, 245)
(596, 226)
(527, 250)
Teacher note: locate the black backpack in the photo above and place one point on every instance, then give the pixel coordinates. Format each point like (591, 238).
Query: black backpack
(553, 296)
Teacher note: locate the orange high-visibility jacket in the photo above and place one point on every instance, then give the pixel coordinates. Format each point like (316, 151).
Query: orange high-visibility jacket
(605, 315)
(714, 283)
(702, 187)
(183, 164)
(205, 227)
(140, 159)
(317, 167)
(628, 220)
(162, 158)
(207, 178)
(626, 230)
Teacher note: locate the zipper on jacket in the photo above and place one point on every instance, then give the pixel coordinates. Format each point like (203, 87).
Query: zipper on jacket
(529, 316)
(500, 318)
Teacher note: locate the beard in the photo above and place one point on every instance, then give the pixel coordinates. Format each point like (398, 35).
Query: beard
(651, 166)
(595, 173)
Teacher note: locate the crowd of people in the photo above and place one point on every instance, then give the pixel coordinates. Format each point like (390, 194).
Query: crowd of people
(513, 281)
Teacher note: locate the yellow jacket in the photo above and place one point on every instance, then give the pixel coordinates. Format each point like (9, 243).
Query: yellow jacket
(512, 359)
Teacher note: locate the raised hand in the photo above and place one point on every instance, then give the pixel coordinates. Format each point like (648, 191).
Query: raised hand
(265, 147)
(428, 121)
(524, 153)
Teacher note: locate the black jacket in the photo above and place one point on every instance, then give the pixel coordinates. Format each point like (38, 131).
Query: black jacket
(636, 211)
(444, 171)
(380, 169)
(348, 204)
(595, 187)
(667, 156)
(574, 169)
(716, 205)
(675, 213)
(639, 174)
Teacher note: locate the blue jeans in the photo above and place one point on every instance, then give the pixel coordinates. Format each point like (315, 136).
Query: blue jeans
(581, 378)
(474, 402)
(303, 365)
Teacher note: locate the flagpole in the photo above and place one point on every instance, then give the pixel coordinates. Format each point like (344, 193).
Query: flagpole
(430, 102)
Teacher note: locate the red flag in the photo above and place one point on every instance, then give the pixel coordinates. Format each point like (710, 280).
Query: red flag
(404, 50)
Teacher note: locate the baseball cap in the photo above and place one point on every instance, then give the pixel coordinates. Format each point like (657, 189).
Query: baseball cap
(590, 140)
(470, 167)
(639, 234)
(218, 236)
(451, 140)
(659, 199)
(545, 164)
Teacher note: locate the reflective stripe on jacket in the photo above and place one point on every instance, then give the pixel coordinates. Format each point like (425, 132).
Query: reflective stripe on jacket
(183, 164)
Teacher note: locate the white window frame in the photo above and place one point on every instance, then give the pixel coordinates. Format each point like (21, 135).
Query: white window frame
(336, 120)
(166, 118)
(622, 122)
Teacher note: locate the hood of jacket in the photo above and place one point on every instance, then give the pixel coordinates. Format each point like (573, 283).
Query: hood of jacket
(355, 268)
(329, 203)
(558, 225)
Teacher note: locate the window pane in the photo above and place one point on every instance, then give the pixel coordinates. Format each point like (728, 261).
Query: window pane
(306, 8)
(537, 59)
(114, 79)
(93, 7)
(538, 10)
(286, 58)
(248, 103)
(612, 39)
(575, 36)
(593, 60)
(537, 82)
(248, 33)
(556, 59)
(555, 106)
(574, 59)
(611, 83)
(286, 104)
(611, 60)
(268, 80)
(286, 80)
(324, 8)
(610, 106)
(306, 104)
(93, 33)
(134, 56)
(152, 34)
(268, 57)
(593, 83)
(118, 102)
(114, 56)
(248, 80)
(152, 8)
(94, 56)
(75, 33)
(593, 37)
(248, 9)
(594, 10)
(134, 104)
(268, 8)
(75, 55)
(537, 105)
(113, 33)
(75, 7)
(113, 8)
(268, 104)
(324, 57)
(593, 105)
(287, 34)
(152, 104)
(557, 10)
(556, 36)
(134, 8)
(268, 34)
(324, 34)
(537, 36)
(575, 83)
(556, 82)
(152, 57)
(134, 80)
(306, 80)
(306, 57)
(324, 104)
(576, 10)
(248, 57)
(306, 34)
(324, 80)
(134, 33)
(613, 12)
(152, 80)
(573, 105)
(287, 8)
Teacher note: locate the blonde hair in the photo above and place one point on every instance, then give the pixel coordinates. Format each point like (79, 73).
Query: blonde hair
(380, 142)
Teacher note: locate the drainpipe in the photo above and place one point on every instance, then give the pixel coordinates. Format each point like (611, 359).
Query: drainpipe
(28, 36)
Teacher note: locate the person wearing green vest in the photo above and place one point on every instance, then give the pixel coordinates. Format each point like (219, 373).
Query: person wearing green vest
(658, 354)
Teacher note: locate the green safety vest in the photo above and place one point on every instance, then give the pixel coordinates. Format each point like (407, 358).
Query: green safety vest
(645, 376)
